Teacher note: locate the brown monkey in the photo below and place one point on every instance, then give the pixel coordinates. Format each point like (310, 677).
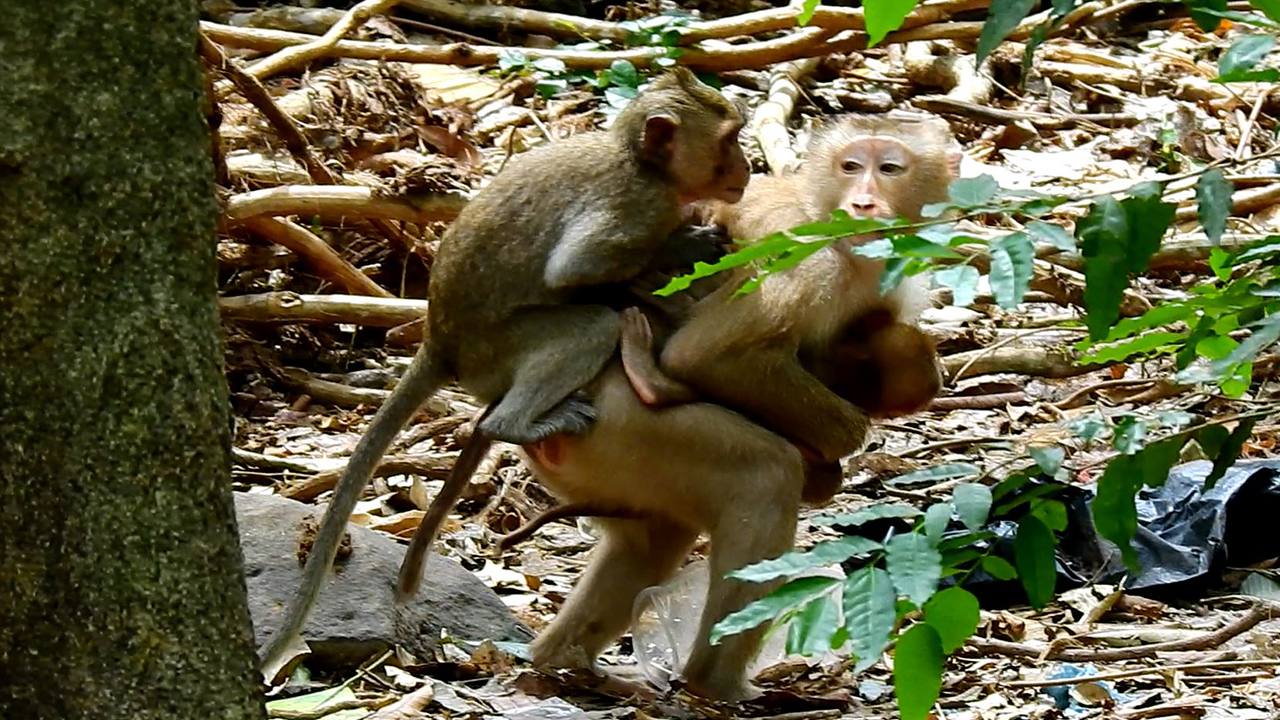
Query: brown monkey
(677, 472)
(510, 314)
(814, 346)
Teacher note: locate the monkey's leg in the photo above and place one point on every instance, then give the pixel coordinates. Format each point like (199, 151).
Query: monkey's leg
(654, 387)
(556, 352)
(756, 523)
(633, 555)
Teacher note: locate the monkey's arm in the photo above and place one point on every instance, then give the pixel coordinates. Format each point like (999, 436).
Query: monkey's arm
(743, 353)
(594, 249)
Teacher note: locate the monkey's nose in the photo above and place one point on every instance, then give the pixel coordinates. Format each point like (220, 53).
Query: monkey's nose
(863, 207)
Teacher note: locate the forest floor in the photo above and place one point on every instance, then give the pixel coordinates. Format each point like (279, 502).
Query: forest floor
(338, 182)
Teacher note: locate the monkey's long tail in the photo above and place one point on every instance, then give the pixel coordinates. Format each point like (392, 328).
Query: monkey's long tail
(423, 378)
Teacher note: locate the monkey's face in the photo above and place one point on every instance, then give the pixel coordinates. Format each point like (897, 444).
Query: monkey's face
(874, 176)
(715, 170)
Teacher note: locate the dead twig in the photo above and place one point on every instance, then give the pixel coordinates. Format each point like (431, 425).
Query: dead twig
(1159, 669)
(326, 261)
(287, 306)
(1256, 614)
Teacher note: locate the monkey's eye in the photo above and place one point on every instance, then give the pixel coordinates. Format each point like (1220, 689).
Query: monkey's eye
(850, 166)
(891, 168)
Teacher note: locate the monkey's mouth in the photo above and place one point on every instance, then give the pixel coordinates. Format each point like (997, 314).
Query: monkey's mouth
(731, 195)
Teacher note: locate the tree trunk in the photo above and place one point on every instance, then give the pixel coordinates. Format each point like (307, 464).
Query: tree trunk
(121, 591)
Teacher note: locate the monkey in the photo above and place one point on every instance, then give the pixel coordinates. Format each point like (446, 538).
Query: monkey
(814, 347)
(698, 467)
(510, 313)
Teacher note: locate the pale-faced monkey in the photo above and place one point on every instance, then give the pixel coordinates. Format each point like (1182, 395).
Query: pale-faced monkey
(510, 314)
(814, 347)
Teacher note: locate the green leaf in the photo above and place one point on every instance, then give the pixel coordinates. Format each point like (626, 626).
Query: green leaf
(790, 596)
(884, 16)
(954, 614)
(1206, 21)
(1002, 18)
(936, 474)
(1230, 451)
(916, 246)
(973, 503)
(1054, 235)
(1033, 555)
(1088, 427)
(998, 568)
(1264, 334)
(936, 519)
(1213, 194)
(973, 192)
(311, 702)
(797, 561)
(963, 281)
(1270, 8)
(866, 515)
(1011, 269)
(1265, 248)
(1048, 457)
(1148, 218)
(869, 614)
(917, 671)
(1103, 235)
(1246, 52)
(811, 630)
(1151, 342)
(555, 66)
(511, 60)
(915, 566)
(768, 246)
(807, 10)
(1114, 514)
(623, 73)
(1130, 434)
(1050, 512)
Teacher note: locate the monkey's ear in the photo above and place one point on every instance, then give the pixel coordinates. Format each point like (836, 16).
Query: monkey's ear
(658, 136)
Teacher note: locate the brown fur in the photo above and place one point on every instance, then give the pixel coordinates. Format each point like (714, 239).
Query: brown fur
(507, 318)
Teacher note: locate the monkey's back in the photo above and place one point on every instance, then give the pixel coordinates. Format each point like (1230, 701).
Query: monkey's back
(492, 260)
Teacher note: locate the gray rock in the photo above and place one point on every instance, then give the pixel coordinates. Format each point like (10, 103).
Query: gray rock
(355, 616)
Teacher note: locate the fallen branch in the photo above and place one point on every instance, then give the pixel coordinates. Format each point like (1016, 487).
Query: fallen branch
(324, 259)
(434, 467)
(286, 306)
(293, 57)
(341, 201)
(1047, 121)
(818, 39)
(1036, 361)
(976, 402)
(284, 126)
(1122, 674)
(1256, 614)
(769, 122)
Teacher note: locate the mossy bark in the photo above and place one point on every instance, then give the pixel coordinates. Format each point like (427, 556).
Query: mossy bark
(121, 591)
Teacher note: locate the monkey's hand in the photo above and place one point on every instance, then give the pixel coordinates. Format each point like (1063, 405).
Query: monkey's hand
(690, 244)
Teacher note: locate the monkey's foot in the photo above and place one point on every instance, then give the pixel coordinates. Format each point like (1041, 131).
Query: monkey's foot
(573, 415)
(650, 384)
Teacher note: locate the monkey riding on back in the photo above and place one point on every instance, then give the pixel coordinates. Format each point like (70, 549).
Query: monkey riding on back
(514, 315)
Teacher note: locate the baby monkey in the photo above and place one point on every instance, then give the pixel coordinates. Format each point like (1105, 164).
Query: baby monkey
(515, 315)
(826, 315)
